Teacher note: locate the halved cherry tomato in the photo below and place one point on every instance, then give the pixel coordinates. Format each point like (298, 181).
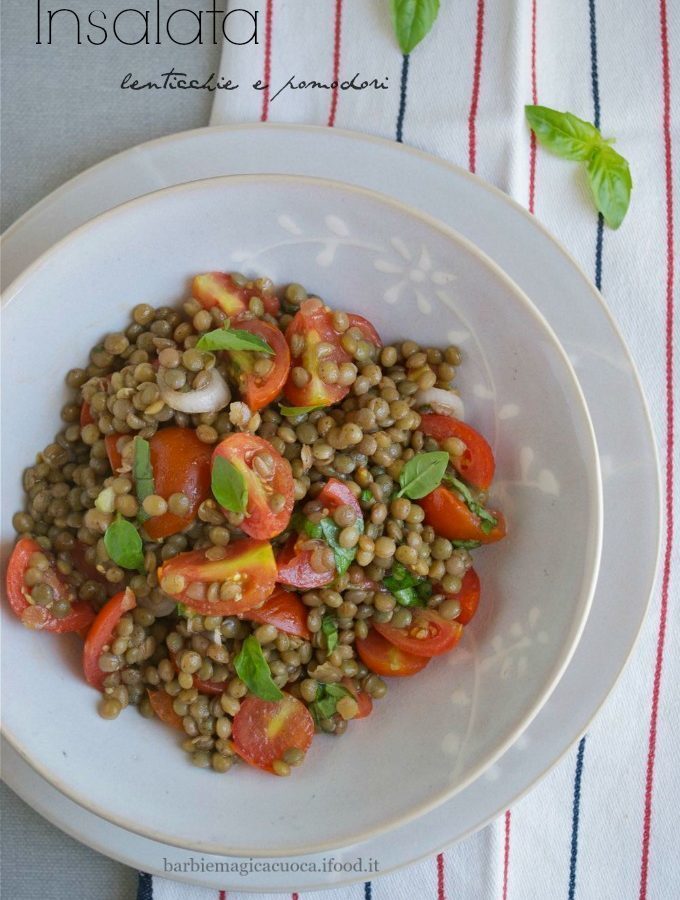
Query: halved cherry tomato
(363, 698)
(428, 634)
(220, 289)
(336, 493)
(314, 324)
(263, 731)
(259, 390)
(270, 474)
(213, 688)
(181, 464)
(476, 465)
(161, 703)
(294, 565)
(101, 634)
(384, 658)
(249, 564)
(365, 327)
(112, 451)
(451, 518)
(285, 611)
(468, 597)
(37, 617)
(86, 417)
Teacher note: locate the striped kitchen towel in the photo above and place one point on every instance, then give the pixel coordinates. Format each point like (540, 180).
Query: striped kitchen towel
(604, 824)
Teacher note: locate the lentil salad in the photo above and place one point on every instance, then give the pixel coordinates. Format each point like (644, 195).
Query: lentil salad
(254, 512)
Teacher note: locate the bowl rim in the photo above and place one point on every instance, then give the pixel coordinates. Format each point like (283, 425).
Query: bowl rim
(595, 512)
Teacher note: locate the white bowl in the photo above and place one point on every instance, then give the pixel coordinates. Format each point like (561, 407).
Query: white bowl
(413, 277)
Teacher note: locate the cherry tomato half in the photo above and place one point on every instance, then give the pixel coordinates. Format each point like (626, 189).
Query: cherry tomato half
(363, 698)
(259, 390)
(248, 564)
(263, 731)
(468, 597)
(285, 611)
(295, 567)
(101, 634)
(220, 289)
(452, 519)
(161, 703)
(427, 635)
(268, 476)
(313, 325)
(367, 330)
(113, 451)
(181, 464)
(37, 617)
(476, 465)
(384, 658)
(336, 493)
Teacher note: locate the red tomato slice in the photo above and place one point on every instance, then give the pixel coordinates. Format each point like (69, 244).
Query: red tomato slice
(213, 688)
(263, 731)
(37, 617)
(260, 521)
(452, 519)
(314, 324)
(86, 417)
(101, 634)
(161, 704)
(365, 327)
(220, 289)
(285, 611)
(295, 568)
(384, 658)
(476, 465)
(364, 701)
(427, 635)
(112, 451)
(259, 390)
(180, 463)
(249, 564)
(336, 493)
(468, 597)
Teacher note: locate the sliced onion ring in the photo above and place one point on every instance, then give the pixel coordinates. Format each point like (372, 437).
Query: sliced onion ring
(211, 398)
(445, 402)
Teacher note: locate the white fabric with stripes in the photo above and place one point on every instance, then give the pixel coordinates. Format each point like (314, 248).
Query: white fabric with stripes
(634, 279)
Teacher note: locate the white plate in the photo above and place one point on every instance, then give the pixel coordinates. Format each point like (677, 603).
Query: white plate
(498, 226)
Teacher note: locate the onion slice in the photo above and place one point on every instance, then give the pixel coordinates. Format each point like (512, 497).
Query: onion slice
(211, 398)
(445, 402)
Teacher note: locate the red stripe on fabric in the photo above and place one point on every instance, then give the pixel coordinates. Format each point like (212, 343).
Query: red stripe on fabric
(223, 895)
(506, 854)
(336, 62)
(476, 79)
(670, 445)
(441, 893)
(534, 100)
(269, 15)
(293, 897)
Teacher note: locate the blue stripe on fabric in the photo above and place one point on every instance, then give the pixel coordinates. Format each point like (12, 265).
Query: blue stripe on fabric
(145, 887)
(368, 890)
(402, 101)
(576, 813)
(596, 121)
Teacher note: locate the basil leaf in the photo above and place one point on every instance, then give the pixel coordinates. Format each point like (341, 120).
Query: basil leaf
(123, 544)
(487, 521)
(292, 411)
(344, 556)
(325, 705)
(412, 19)
(467, 545)
(406, 588)
(233, 339)
(228, 485)
(142, 473)
(330, 628)
(367, 495)
(253, 669)
(422, 474)
(563, 133)
(611, 184)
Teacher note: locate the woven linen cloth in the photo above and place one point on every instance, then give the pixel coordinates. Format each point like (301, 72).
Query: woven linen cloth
(604, 823)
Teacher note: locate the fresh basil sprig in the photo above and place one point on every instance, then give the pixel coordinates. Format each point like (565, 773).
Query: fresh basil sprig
(367, 496)
(573, 138)
(330, 628)
(292, 411)
(142, 473)
(253, 670)
(123, 544)
(412, 19)
(406, 588)
(487, 521)
(325, 705)
(228, 485)
(233, 339)
(327, 530)
(422, 474)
